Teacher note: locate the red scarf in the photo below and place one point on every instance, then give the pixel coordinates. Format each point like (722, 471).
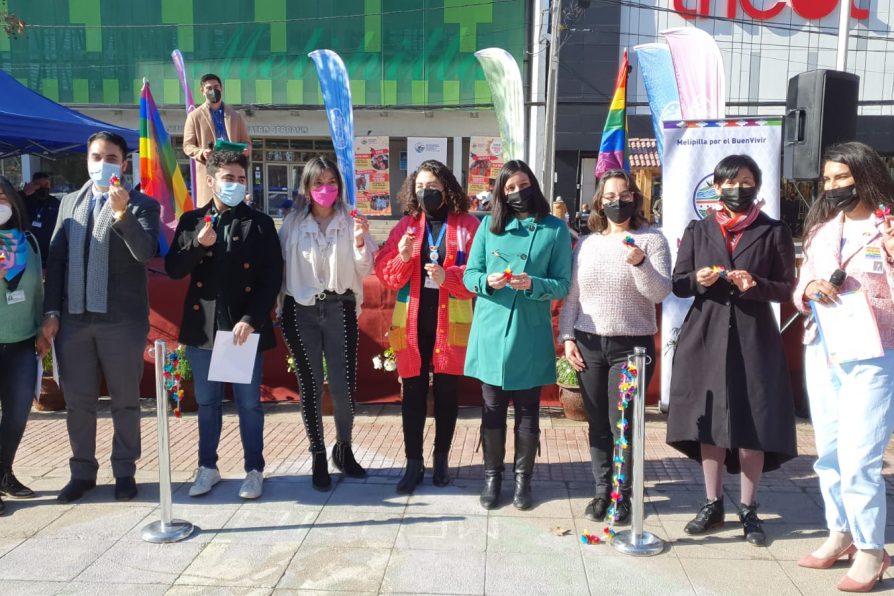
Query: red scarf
(732, 226)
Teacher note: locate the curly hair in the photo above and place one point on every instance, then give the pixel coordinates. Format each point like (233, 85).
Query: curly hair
(457, 200)
(597, 222)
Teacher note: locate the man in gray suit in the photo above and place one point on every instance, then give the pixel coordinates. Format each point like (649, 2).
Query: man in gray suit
(97, 301)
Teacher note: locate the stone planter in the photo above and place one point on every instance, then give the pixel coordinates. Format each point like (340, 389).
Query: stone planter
(572, 403)
(188, 401)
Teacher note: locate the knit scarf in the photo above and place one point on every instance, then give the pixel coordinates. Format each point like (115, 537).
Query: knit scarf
(13, 253)
(732, 226)
(88, 285)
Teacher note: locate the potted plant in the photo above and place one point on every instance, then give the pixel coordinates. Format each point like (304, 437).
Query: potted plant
(51, 398)
(569, 390)
(188, 401)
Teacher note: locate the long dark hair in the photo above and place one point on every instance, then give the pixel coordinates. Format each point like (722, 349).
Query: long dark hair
(457, 200)
(19, 217)
(871, 179)
(597, 221)
(501, 213)
(309, 175)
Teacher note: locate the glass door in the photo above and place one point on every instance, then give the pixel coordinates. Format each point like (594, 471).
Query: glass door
(277, 187)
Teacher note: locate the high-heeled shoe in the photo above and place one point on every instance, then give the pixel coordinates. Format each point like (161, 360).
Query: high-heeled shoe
(848, 584)
(811, 562)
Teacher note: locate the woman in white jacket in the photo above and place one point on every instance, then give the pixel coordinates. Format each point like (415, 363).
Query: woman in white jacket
(327, 252)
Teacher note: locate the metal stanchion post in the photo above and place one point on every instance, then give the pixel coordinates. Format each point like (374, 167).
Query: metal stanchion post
(636, 541)
(166, 529)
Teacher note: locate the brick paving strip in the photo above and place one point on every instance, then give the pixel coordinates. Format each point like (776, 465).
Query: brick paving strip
(364, 538)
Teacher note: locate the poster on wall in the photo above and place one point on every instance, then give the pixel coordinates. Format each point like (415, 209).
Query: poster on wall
(485, 162)
(371, 175)
(691, 150)
(420, 149)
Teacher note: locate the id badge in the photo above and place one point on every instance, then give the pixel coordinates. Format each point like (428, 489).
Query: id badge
(15, 297)
(37, 224)
(872, 260)
(430, 283)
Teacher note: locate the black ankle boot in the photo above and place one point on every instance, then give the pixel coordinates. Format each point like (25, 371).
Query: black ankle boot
(493, 442)
(412, 476)
(441, 472)
(75, 489)
(596, 509)
(321, 479)
(709, 517)
(526, 445)
(11, 487)
(752, 525)
(343, 459)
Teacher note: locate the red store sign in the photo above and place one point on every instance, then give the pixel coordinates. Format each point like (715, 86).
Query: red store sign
(808, 9)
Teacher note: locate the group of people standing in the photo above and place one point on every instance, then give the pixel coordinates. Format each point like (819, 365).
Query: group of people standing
(473, 298)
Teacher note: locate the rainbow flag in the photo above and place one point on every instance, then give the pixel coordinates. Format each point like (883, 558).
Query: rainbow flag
(613, 153)
(160, 176)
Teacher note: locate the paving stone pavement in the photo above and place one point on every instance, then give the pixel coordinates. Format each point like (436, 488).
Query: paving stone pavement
(363, 538)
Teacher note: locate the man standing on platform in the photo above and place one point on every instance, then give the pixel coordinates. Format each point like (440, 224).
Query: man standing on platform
(43, 208)
(232, 255)
(96, 300)
(206, 124)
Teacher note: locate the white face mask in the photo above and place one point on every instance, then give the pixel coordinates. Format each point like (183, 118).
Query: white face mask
(5, 214)
(101, 171)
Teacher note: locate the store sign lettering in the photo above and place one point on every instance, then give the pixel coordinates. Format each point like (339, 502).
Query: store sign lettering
(808, 9)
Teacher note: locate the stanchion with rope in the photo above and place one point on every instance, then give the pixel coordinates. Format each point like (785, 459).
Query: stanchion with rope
(637, 541)
(166, 529)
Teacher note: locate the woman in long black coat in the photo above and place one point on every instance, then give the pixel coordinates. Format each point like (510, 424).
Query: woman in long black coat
(730, 400)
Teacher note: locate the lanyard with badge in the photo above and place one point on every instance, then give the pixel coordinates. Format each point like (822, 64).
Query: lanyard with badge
(433, 250)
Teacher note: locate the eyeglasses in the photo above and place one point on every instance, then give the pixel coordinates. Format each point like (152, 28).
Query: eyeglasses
(611, 197)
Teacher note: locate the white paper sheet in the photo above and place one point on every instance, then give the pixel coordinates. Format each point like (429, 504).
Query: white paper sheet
(231, 363)
(848, 328)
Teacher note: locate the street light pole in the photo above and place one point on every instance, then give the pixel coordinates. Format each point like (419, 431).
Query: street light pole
(843, 34)
(552, 90)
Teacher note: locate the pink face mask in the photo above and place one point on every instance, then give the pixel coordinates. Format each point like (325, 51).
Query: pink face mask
(325, 195)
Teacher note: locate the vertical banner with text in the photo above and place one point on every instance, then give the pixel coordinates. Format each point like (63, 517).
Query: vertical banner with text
(691, 150)
(485, 162)
(371, 175)
(420, 149)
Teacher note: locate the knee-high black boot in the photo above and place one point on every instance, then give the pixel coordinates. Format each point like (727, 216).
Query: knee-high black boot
(526, 445)
(493, 441)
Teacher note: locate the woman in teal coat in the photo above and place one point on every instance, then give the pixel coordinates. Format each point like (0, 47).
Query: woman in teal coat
(520, 261)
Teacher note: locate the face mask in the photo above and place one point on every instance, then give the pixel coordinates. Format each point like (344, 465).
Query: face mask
(430, 200)
(619, 211)
(213, 95)
(5, 214)
(522, 201)
(844, 198)
(101, 172)
(738, 199)
(231, 193)
(325, 195)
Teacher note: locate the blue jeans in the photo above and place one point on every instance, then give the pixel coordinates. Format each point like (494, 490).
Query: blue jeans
(209, 396)
(18, 372)
(853, 418)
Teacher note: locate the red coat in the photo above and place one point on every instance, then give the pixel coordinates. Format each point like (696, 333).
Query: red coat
(455, 302)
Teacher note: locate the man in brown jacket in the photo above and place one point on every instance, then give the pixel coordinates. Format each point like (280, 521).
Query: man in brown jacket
(211, 121)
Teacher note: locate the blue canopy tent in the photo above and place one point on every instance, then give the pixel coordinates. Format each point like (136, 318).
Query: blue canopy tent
(31, 123)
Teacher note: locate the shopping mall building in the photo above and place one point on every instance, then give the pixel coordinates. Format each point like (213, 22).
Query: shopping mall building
(413, 72)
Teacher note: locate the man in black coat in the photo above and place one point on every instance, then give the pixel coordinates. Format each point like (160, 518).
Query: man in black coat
(233, 257)
(43, 209)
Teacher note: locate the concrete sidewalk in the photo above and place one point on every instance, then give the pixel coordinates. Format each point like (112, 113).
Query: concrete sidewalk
(364, 538)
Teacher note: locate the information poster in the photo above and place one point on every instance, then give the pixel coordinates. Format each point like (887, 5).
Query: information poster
(485, 162)
(371, 175)
(421, 149)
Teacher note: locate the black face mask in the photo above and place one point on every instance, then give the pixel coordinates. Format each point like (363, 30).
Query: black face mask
(522, 201)
(430, 200)
(213, 95)
(843, 199)
(738, 199)
(619, 211)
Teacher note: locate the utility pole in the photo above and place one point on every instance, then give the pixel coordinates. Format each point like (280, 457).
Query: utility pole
(843, 34)
(552, 92)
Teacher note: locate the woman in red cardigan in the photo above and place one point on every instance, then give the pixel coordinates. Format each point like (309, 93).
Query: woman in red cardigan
(425, 258)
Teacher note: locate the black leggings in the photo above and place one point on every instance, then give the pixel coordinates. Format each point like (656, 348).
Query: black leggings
(496, 405)
(415, 394)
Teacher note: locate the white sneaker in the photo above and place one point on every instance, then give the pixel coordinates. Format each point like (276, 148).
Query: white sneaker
(206, 478)
(252, 486)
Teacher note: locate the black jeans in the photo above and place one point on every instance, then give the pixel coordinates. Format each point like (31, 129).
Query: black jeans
(496, 405)
(415, 393)
(18, 371)
(604, 357)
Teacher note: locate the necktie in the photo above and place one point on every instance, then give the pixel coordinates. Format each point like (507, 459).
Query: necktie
(98, 202)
